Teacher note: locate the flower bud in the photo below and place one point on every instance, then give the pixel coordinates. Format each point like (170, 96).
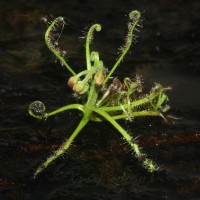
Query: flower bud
(72, 81)
(80, 88)
(99, 78)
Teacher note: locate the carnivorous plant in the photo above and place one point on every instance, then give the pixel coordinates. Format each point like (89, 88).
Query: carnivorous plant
(106, 98)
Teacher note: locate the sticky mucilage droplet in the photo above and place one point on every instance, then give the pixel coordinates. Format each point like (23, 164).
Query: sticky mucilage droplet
(37, 108)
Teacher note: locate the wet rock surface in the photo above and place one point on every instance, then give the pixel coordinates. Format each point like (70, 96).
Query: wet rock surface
(99, 165)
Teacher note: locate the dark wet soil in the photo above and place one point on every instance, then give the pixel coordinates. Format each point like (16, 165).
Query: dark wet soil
(98, 166)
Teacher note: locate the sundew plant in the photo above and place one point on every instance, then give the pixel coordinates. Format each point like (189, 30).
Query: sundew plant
(105, 98)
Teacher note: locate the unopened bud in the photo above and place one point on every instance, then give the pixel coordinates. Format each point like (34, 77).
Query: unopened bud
(80, 88)
(99, 78)
(72, 81)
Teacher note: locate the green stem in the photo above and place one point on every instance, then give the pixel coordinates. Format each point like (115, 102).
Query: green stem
(92, 98)
(89, 76)
(132, 105)
(114, 123)
(85, 72)
(64, 147)
(62, 109)
(56, 51)
(89, 38)
(132, 115)
(146, 162)
(134, 16)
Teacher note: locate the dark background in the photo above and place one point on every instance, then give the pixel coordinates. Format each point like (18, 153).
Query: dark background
(99, 165)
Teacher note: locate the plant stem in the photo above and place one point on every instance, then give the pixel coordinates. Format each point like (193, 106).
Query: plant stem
(64, 108)
(132, 104)
(89, 38)
(132, 115)
(48, 41)
(128, 42)
(92, 98)
(63, 147)
(146, 162)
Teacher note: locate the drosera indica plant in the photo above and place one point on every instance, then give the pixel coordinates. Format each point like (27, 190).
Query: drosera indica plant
(106, 98)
